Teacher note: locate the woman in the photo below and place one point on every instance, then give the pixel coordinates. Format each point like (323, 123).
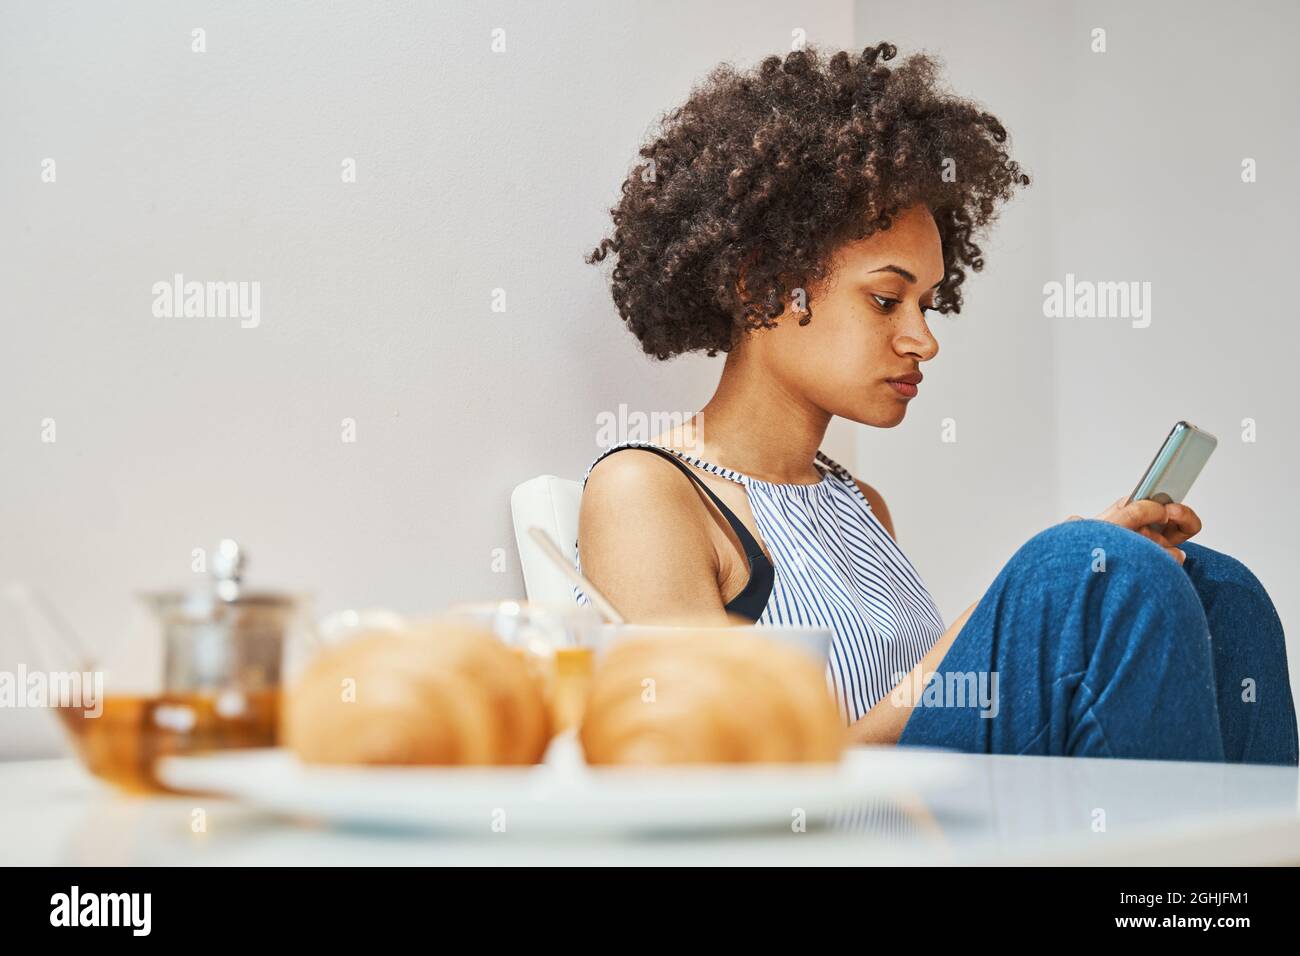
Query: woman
(804, 218)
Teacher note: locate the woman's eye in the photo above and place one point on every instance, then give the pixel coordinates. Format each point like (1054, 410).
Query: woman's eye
(886, 304)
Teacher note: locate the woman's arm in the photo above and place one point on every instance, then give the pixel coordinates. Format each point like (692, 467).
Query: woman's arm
(644, 541)
(883, 723)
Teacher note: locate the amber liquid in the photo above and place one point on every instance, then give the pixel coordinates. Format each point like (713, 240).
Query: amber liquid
(565, 678)
(123, 742)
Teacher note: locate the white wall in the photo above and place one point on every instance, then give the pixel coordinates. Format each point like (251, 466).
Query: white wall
(476, 171)
(480, 171)
(1136, 155)
(961, 508)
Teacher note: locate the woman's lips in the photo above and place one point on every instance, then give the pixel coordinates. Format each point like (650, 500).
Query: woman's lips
(906, 389)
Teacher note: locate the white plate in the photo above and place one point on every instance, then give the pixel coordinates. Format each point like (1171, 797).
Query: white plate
(562, 794)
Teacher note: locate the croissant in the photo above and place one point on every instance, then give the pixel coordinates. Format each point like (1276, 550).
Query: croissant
(441, 693)
(709, 697)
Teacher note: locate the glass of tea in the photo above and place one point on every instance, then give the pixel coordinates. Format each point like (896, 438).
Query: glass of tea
(558, 644)
(222, 650)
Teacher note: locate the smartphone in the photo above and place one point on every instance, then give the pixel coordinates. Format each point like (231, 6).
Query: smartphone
(1176, 465)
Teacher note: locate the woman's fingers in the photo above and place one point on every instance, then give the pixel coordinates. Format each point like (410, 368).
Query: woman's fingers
(1181, 522)
(1156, 536)
(1166, 525)
(1110, 511)
(1165, 543)
(1135, 514)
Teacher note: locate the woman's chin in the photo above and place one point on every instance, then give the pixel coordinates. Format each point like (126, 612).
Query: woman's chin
(877, 417)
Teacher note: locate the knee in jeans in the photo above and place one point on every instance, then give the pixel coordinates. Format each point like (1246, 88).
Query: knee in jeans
(1141, 570)
(1222, 579)
(1097, 544)
(1222, 567)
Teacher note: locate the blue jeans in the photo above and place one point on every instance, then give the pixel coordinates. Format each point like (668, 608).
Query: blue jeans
(1099, 645)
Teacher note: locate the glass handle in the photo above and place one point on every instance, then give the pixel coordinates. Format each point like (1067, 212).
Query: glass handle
(42, 631)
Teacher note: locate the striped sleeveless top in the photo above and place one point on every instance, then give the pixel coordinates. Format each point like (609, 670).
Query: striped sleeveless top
(836, 567)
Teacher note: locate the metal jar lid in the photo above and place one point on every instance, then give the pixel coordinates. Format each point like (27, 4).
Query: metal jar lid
(226, 599)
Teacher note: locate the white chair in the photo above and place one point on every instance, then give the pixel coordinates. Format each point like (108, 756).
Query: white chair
(551, 504)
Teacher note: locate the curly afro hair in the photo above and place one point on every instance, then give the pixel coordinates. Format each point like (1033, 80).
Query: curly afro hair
(763, 173)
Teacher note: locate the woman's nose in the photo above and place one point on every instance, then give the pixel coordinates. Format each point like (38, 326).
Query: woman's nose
(919, 343)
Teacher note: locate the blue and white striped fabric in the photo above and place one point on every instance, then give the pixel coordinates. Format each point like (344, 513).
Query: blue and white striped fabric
(838, 568)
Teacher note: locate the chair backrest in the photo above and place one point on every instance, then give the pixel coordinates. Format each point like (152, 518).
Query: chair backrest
(552, 504)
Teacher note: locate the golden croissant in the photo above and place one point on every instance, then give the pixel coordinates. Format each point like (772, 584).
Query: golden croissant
(441, 693)
(709, 696)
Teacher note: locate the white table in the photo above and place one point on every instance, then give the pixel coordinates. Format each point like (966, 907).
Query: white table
(1007, 810)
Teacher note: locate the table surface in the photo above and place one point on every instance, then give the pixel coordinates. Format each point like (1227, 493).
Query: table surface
(1005, 810)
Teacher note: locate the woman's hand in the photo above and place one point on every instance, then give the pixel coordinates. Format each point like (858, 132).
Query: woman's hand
(1176, 523)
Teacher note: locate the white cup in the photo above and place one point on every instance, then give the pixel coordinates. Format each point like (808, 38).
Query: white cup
(815, 641)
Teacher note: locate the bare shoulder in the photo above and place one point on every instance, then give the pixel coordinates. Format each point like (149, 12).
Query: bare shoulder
(643, 538)
(635, 478)
(877, 501)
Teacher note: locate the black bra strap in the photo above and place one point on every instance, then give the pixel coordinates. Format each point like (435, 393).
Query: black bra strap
(747, 542)
(752, 600)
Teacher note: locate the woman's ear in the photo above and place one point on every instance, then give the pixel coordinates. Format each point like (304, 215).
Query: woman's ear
(796, 300)
(741, 273)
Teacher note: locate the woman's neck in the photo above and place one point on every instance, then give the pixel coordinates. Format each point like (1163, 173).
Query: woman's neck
(755, 426)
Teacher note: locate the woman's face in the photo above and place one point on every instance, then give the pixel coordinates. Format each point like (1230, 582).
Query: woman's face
(868, 326)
